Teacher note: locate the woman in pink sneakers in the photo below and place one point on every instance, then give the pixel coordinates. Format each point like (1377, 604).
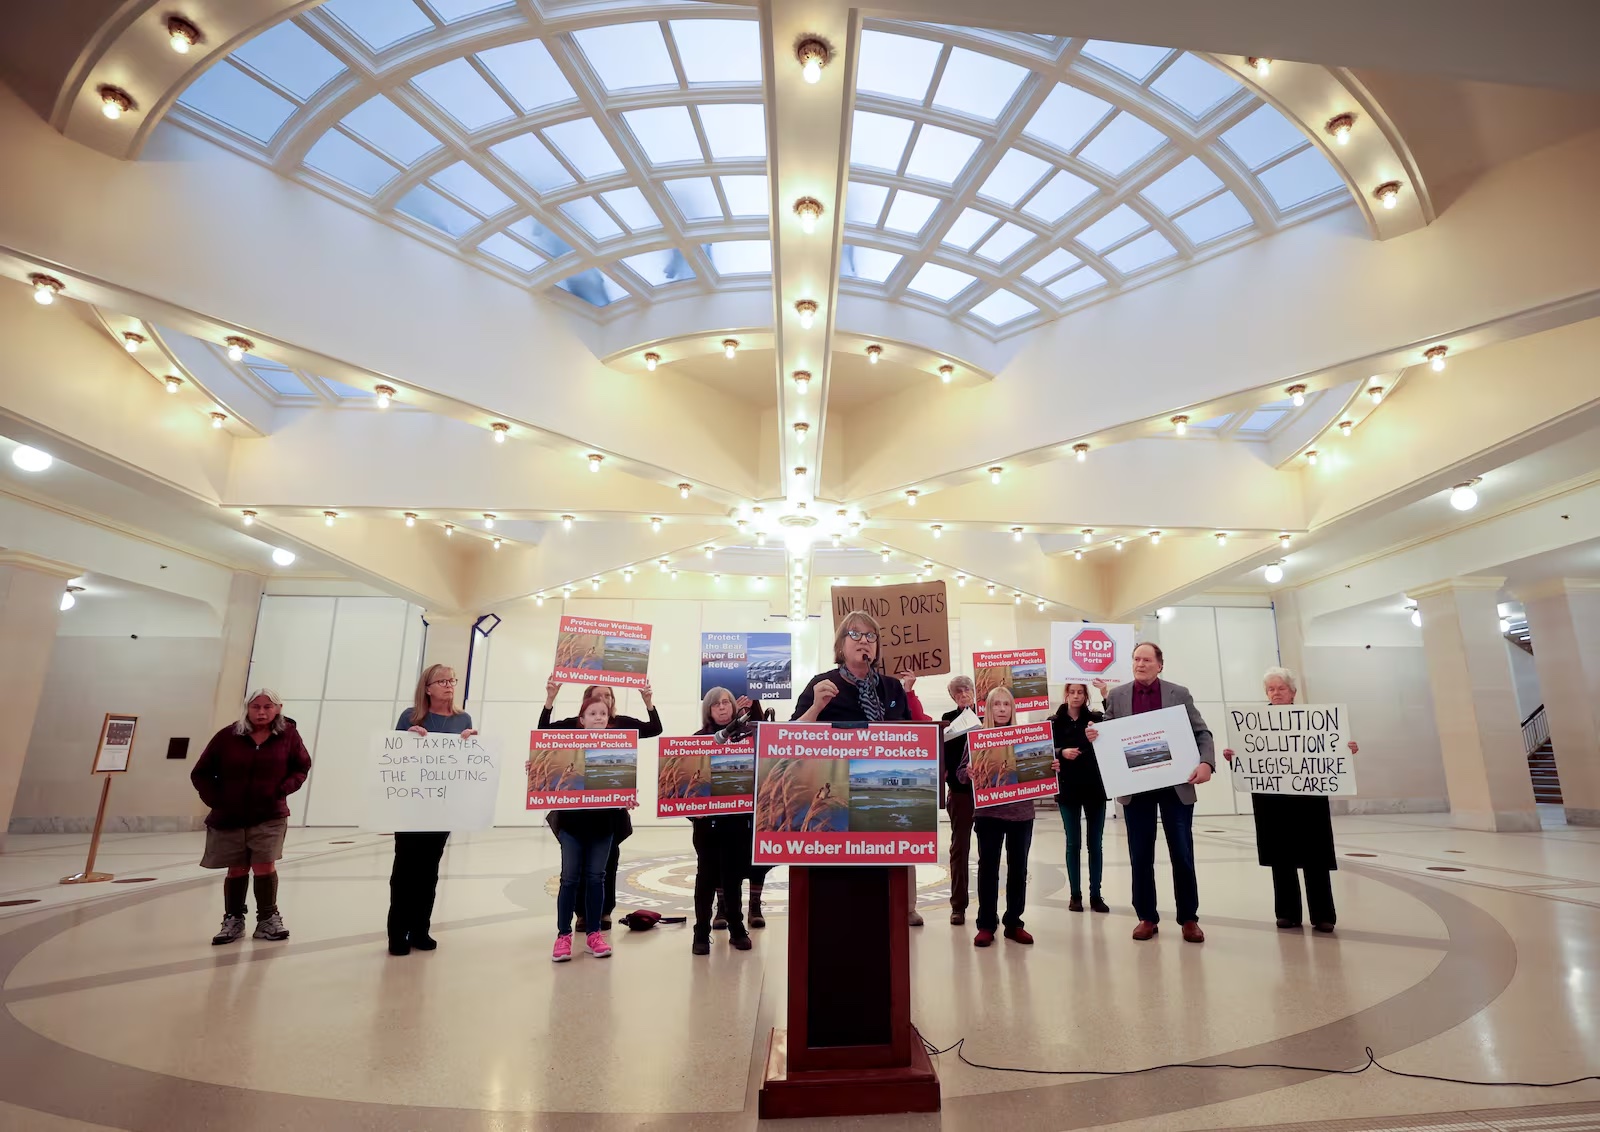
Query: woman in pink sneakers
(585, 837)
(1006, 828)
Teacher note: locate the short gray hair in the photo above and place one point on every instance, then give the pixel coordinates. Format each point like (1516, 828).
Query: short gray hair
(960, 684)
(1282, 674)
(279, 723)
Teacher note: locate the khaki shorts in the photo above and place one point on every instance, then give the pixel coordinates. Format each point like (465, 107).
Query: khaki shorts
(252, 845)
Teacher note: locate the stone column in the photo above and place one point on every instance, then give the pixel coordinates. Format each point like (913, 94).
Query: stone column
(1475, 705)
(1564, 622)
(238, 643)
(30, 608)
(1291, 638)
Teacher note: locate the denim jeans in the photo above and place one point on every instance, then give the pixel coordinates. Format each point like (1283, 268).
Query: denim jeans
(1094, 816)
(1177, 822)
(583, 863)
(1014, 838)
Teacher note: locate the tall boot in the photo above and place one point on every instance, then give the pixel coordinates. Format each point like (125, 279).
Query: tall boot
(756, 919)
(719, 922)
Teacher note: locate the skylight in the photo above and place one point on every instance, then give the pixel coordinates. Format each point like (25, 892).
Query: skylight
(719, 51)
(627, 56)
(740, 257)
(896, 66)
(379, 23)
(910, 211)
(1116, 225)
(290, 58)
(1003, 307)
(940, 154)
(529, 72)
(347, 160)
(659, 268)
(1217, 217)
(593, 287)
(1265, 134)
(1261, 420)
(227, 95)
(746, 195)
(863, 203)
(979, 85)
(734, 130)
(696, 198)
(1013, 176)
(665, 133)
(878, 141)
(1067, 116)
(471, 188)
(940, 282)
(514, 252)
(871, 264)
(585, 147)
(423, 204)
(531, 160)
(1195, 86)
(1132, 59)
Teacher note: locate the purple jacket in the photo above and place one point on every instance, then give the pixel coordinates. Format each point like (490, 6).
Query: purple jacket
(245, 784)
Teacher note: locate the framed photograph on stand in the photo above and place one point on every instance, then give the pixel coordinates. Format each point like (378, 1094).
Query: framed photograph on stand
(111, 756)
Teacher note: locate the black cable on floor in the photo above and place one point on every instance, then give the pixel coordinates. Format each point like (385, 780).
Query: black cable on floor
(1372, 1063)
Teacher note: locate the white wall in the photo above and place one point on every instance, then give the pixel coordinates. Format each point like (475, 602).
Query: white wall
(1525, 679)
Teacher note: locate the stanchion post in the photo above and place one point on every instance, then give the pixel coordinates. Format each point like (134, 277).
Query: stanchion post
(88, 875)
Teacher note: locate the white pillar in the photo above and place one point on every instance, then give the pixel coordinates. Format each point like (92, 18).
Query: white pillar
(1564, 622)
(238, 642)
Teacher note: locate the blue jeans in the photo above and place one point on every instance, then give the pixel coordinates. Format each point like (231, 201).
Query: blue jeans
(997, 835)
(1177, 822)
(583, 862)
(1094, 816)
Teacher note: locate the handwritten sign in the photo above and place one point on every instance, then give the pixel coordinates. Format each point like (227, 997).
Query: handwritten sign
(1021, 671)
(1011, 764)
(1082, 652)
(415, 783)
(915, 623)
(1291, 749)
(593, 651)
(747, 664)
(582, 770)
(847, 796)
(1146, 752)
(698, 776)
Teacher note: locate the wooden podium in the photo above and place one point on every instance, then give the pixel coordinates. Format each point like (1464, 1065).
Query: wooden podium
(850, 1048)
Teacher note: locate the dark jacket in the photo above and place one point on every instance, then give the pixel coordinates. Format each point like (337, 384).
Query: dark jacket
(588, 824)
(846, 706)
(245, 784)
(953, 750)
(1077, 780)
(647, 728)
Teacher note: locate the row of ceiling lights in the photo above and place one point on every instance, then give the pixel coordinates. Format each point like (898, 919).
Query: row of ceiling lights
(807, 310)
(1433, 355)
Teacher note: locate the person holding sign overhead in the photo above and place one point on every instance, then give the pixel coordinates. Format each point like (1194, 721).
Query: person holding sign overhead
(1295, 832)
(1006, 827)
(1079, 791)
(1175, 804)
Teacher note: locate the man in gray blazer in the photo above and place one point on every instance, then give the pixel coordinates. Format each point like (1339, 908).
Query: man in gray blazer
(1175, 804)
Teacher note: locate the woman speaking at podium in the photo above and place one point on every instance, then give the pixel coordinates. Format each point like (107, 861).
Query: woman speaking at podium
(855, 691)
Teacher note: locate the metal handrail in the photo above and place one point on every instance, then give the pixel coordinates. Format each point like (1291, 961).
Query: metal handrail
(1535, 730)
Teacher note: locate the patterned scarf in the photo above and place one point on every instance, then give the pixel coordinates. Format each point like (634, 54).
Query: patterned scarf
(867, 692)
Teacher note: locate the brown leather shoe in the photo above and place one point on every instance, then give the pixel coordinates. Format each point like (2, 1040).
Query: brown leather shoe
(1145, 930)
(1192, 932)
(958, 917)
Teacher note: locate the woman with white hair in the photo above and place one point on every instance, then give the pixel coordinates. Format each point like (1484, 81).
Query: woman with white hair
(1294, 833)
(246, 775)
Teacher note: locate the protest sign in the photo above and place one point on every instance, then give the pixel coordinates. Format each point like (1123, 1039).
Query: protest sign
(1146, 752)
(582, 770)
(1011, 764)
(593, 651)
(1291, 749)
(1082, 652)
(417, 783)
(847, 795)
(914, 622)
(699, 776)
(747, 664)
(1020, 670)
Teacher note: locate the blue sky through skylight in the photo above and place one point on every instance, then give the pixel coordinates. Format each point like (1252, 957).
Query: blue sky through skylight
(628, 56)
(719, 51)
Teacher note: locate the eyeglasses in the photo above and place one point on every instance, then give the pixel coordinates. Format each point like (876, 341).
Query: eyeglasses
(450, 683)
(862, 635)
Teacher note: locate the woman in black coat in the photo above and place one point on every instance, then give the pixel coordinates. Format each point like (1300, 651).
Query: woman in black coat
(1079, 793)
(855, 691)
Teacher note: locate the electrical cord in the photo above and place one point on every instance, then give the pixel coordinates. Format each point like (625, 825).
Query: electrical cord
(1372, 1063)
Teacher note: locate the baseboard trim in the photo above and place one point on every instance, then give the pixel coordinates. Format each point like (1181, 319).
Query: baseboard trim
(1389, 805)
(137, 823)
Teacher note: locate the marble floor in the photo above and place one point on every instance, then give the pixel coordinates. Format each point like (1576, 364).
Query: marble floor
(1458, 953)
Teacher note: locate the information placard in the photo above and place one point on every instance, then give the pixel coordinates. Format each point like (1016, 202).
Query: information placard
(847, 795)
(747, 664)
(1082, 652)
(1146, 752)
(915, 623)
(1291, 749)
(1011, 764)
(115, 748)
(698, 776)
(593, 651)
(1022, 671)
(435, 782)
(582, 770)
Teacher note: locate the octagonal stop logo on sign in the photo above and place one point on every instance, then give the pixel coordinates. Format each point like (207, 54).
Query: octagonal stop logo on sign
(1093, 651)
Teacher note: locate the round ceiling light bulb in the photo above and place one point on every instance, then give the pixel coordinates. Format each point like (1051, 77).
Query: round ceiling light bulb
(500, 429)
(937, 530)
(1180, 425)
(45, 288)
(1436, 356)
(1078, 554)
(802, 380)
(1260, 64)
(1376, 393)
(1283, 540)
(31, 459)
(1088, 535)
(683, 491)
(1273, 573)
(1016, 534)
(238, 347)
(1388, 194)
(114, 102)
(1297, 395)
(384, 394)
(249, 518)
(800, 430)
(809, 210)
(1311, 457)
(1116, 542)
(497, 541)
(911, 498)
(1081, 451)
(449, 530)
(131, 341)
(566, 522)
(812, 54)
(874, 353)
(328, 517)
(1347, 427)
(1339, 127)
(651, 361)
(1464, 497)
(1222, 538)
(218, 419)
(1155, 538)
(181, 34)
(946, 372)
(807, 310)
(730, 347)
(1416, 618)
(994, 474)
(173, 382)
(411, 518)
(595, 460)
(283, 557)
(655, 523)
(488, 521)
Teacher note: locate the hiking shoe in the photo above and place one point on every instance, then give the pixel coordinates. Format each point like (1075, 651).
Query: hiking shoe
(271, 928)
(702, 942)
(598, 947)
(958, 917)
(562, 951)
(755, 919)
(1018, 935)
(741, 942)
(719, 922)
(232, 929)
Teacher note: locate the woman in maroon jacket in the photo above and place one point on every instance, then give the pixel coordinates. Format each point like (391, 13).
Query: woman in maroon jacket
(246, 775)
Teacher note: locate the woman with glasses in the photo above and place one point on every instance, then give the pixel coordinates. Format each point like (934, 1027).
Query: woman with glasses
(415, 877)
(854, 692)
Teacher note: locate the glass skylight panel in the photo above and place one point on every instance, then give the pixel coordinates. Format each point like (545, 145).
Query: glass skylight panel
(588, 215)
(659, 268)
(593, 287)
(281, 381)
(391, 129)
(1004, 244)
(734, 130)
(1194, 86)
(719, 51)
(1060, 195)
(1066, 117)
(863, 203)
(345, 392)
(940, 154)
(1117, 224)
(1122, 144)
(940, 282)
(228, 95)
(631, 205)
(1300, 178)
(1080, 281)
(1003, 307)
(581, 143)
(423, 204)
(696, 198)
(1132, 59)
(909, 212)
(471, 188)
(665, 133)
(873, 265)
(628, 56)
(541, 237)
(348, 161)
(290, 58)
(740, 257)
(1014, 174)
(1050, 266)
(378, 23)
(1212, 424)
(1183, 185)
(1217, 217)
(877, 141)
(980, 85)
(530, 159)
(1152, 247)
(897, 66)
(463, 94)
(969, 228)
(1261, 420)
(452, 10)
(529, 73)
(514, 252)
(1265, 134)
(746, 195)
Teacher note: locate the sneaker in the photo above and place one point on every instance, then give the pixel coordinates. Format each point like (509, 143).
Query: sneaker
(916, 918)
(1075, 904)
(232, 929)
(562, 952)
(983, 939)
(598, 947)
(1096, 904)
(1018, 935)
(702, 942)
(271, 928)
(741, 942)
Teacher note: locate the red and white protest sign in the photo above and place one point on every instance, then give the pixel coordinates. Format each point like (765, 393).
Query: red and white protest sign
(846, 795)
(582, 770)
(698, 776)
(593, 651)
(1022, 671)
(1011, 764)
(1081, 652)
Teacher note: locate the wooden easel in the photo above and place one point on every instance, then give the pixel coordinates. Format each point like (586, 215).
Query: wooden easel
(111, 756)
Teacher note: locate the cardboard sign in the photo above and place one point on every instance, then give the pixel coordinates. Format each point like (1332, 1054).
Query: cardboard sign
(420, 783)
(592, 651)
(915, 623)
(1011, 764)
(747, 664)
(1021, 671)
(847, 795)
(1146, 752)
(698, 776)
(115, 748)
(582, 770)
(1082, 652)
(1291, 749)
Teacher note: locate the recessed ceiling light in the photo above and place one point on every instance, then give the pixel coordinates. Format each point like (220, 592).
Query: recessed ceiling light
(283, 557)
(31, 459)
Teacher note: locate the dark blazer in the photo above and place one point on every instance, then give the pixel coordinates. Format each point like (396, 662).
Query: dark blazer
(846, 706)
(953, 750)
(1119, 704)
(1077, 780)
(647, 728)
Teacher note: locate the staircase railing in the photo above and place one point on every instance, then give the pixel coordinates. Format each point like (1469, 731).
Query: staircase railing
(1535, 730)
